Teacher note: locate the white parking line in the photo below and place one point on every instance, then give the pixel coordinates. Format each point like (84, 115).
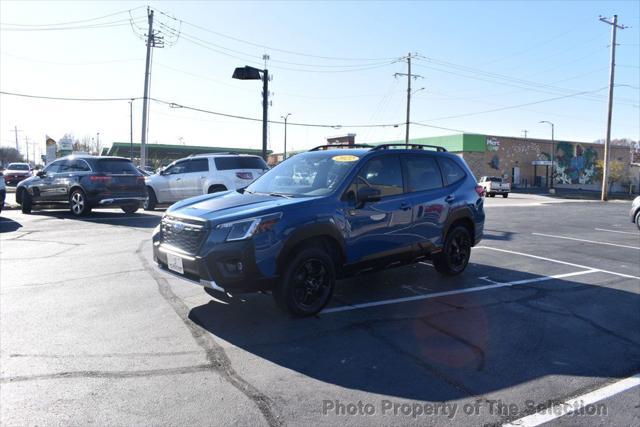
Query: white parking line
(560, 262)
(455, 292)
(571, 405)
(616, 231)
(587, 241)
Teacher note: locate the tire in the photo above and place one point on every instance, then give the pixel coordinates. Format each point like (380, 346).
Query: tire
(130, 209)
(455, 254)
(638, 220)
(151, 201)
(216, 189)
(307, 283)
(78, 205)
(505, 195)
(27, 202)
(491, 195)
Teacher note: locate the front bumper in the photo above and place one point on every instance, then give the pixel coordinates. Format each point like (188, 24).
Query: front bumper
(14, 180)
(218, 268)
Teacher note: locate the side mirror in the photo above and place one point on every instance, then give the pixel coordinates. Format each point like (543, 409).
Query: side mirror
(368, 194)
(41, 174)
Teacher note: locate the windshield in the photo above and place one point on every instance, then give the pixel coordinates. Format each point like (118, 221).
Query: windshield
(306, 174)
(18, 166)
(117, 166)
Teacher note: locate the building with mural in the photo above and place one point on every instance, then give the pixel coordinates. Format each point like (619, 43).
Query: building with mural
(527, 162)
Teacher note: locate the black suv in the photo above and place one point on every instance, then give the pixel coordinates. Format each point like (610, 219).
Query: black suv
(84, 182)
(325, 214)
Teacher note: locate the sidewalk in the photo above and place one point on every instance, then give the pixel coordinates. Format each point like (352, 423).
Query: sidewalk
(570, 193)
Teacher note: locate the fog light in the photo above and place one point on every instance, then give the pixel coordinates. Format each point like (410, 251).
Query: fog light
(234, 266)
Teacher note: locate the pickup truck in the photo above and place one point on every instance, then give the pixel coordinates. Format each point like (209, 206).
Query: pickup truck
(494, 185)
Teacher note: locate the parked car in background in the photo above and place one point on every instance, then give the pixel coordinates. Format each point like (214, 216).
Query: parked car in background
(83, 183)
(202, 174)
(357, 210)
(17, 172)
(493, 185)
(635, 212)
(3, 192)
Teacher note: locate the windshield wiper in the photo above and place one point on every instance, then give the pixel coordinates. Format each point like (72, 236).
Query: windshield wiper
(286, 196)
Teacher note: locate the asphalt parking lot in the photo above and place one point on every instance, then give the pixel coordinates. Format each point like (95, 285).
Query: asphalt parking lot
(547, 313)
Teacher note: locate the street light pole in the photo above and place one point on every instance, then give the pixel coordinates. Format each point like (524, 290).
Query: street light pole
(284, 155)
(131, 129)
(252, 73)
(553, 150)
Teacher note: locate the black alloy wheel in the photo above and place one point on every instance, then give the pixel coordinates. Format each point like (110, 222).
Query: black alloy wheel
(454, 257)
(308, 283)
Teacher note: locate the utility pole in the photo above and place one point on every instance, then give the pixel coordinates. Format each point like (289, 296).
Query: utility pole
(15, 130)
(524, 131)
(265, 106)
(409, 77)
(131, 129)
(152, 41)
(605, 169)
(98, 143)
(284, 155)
(26, 142)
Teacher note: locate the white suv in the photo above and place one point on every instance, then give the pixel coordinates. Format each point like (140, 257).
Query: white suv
(202, 174)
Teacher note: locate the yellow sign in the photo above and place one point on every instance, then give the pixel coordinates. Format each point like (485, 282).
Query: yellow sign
(345, 158)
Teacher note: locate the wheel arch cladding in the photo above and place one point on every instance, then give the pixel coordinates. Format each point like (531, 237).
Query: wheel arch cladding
(326, 235)
(464, 218)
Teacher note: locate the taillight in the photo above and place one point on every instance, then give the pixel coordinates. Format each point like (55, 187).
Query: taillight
(480, 190)
(244, 175)
(100, 178)
(140, 179)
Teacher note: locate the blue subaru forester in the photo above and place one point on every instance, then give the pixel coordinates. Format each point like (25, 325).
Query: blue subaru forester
(322, 215)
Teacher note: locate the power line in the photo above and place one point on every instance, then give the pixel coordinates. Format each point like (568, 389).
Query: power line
(271, 48)
(119, 23)
(60, 98)
(73, 22)
(515, 106)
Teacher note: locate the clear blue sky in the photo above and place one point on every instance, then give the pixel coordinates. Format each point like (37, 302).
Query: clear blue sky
(475, 56)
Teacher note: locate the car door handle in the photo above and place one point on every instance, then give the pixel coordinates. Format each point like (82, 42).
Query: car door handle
(178, 179)
(450, 198)
(405, 206)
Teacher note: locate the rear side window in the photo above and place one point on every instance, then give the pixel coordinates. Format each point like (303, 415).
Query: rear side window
(451, 172)
(383, 173)
(240, 162)
(422, 173)
(198, 165)
(78, 166)
(116, 166)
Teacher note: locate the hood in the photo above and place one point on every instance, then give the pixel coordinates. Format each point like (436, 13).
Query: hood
(231, 205)
(16, 172)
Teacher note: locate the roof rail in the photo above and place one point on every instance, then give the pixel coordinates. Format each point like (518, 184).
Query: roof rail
(212, 154)
(412, 146)
(345, 145)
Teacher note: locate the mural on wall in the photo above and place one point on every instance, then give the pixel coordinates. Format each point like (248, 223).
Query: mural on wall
(495, 162)
(575, 164)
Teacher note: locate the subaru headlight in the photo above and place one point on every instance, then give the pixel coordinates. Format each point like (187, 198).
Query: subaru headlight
(247, 228)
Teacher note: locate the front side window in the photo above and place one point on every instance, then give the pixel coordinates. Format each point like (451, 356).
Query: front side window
(177, 168)
(383, 173)
(451, 172)
(314, 173)
(64, 166)
(53, 167)
(422, 173)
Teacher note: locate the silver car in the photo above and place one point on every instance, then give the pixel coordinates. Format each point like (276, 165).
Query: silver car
(635, 212)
